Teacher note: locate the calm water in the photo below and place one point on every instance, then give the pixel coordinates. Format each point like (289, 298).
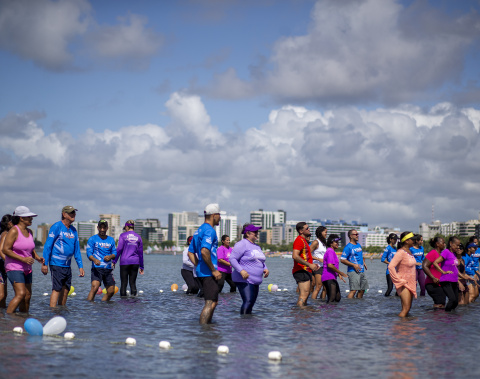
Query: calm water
(359, 338)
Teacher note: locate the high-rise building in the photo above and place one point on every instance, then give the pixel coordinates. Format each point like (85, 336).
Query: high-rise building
(149, 229)
(266, 219)
(114, 226)
(228, 226)
(86, 229)
(188, 221)
(42, 232)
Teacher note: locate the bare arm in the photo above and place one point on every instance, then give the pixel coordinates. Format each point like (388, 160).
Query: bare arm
(8, 248)
(224, 262)
(207, 258)
(436, 264)
(426, 268)
(193, 258)
(296, 258)
(354, 265)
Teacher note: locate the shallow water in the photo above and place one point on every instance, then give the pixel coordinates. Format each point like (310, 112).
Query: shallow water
(359, 338)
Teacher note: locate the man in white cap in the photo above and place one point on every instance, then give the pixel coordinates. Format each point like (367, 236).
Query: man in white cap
(203, 253)
(62, 244)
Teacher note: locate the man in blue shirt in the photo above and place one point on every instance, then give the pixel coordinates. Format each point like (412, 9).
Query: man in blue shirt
(352, 256)
(62, 244)
(101, 251)
(203, 253)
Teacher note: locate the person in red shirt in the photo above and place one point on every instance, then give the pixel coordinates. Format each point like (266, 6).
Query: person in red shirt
(302, 263)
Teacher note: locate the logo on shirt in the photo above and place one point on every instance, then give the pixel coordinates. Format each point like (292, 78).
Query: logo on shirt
(208, 240)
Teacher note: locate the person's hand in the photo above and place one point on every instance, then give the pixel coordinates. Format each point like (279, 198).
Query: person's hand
(96, 261)
(82, 273)
(244, 274)
(357, 268)
(41, 260)
(217, 275)
(342, 274)
(436, 280)
(107, 258)
(343, 280)
(44, 269)
(141, 271)
(28, 260)
(448, 272)
(265, 273)
(313, 266)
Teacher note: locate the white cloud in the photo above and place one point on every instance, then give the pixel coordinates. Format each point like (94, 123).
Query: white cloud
(382, 166)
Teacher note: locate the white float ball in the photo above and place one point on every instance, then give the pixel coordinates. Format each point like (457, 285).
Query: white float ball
(222, 349)
(73, 294)
(275, 356)
(128, 292)
(274, 288)
(347, 290)
(380, 291)
(45, 294)
(140, 292)
(130, 341)
(285, 289)
(164, 345)
(18, 329)
(161, 291)
(69, 336)
(185, 287)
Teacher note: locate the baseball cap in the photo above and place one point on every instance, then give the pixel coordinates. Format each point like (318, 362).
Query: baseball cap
(471, 245)
(68, 209)
(103, 222)
(211, 209)
(22, 211)
(251, 228)
(189, 240)
(130, 223)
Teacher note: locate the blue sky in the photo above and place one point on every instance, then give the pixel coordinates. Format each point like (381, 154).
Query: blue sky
(364, 110)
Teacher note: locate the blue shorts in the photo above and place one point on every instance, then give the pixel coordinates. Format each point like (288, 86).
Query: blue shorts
(61, 276)
(19, 277)
(103, 275)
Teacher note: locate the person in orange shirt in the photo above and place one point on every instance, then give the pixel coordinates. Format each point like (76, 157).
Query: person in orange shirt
(403, 274)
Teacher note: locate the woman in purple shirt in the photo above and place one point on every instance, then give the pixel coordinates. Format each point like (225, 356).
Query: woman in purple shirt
(248, 261)
(224, 266)
(130, 253)
(331, 271)
(449, 271)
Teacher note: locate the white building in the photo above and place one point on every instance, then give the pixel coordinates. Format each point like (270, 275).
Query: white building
(266, 219)
(86, 229)
(459, 228)
(114, 226)
(228, 226)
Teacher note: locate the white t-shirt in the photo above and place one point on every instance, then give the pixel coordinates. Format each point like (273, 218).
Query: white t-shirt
(319, 252)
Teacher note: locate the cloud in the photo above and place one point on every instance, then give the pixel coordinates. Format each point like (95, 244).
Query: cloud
(63, 35)
(360, 52)
(383, 166)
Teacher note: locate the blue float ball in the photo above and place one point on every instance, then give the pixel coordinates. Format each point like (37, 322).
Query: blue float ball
(33, 327)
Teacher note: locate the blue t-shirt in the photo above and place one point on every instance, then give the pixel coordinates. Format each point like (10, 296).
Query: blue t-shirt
(419, 255)
(388, 254)
(353, 254)
(61, 245)
(99, 248)
(469, 265)
(204, 237)
(476, 257)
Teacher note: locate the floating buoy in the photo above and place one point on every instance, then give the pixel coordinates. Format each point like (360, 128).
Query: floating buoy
(72, 290)
(222, 349)
(174, 287)
(161, 291)
(140, 292)
(99, 291)
(270, 287)
(130, 341)
(285, 289)
(73, 294)
(347, 290)
(274, 288)
(69, 336)
(116, 290)
(104, 291)
(55, 326)
(18, 329)
(128, 292)
(380, 291)
(45, 294)
(185, 287)
(33, 327)
(164, 345)
(275, 356)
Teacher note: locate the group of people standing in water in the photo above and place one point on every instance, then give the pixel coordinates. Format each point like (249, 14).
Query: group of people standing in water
(449, 273)
(17, 255)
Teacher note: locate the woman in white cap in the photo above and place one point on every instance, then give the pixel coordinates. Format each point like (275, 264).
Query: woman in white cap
(19, 250)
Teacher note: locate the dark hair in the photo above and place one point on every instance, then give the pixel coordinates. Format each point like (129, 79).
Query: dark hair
(433, 242)
(320, 236)
(350, 232)
(224, 237)
(300, 226)
(391, 236)
(4, 223)
(331, 238)
(470, 240)
(400, 243)
(450, 240)
(243, 229)
(15, 220)
(417, 238)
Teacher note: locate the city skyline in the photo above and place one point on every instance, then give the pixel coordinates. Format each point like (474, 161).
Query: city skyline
(358, 110)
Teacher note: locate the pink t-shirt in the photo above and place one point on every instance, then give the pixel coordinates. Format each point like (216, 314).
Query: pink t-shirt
(22, 246)
(432, 256)
(330, 257)
(224, 253)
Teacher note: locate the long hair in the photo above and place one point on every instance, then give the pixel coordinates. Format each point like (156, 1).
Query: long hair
(4, 223)
(320, 236)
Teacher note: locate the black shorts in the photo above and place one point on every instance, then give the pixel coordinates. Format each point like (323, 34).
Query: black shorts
(103, 275)
(436, 293)
(61, 276)
(319, 271)
(301, 276)
(210, 287)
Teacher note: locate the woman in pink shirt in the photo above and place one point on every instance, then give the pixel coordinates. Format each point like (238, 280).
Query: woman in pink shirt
(224, 266)
(19, 250)
(5, 226)
(432, 281)
(402, 272)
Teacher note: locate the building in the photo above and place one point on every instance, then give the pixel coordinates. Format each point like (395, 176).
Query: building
(266, 219)
(458, 228)
(86, 229)
(265, 236)
(114, 226)
(228, 226)
(149, 229)
(185, 220)
(42, 232)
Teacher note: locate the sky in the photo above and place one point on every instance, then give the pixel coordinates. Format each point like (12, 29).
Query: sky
(364, 110)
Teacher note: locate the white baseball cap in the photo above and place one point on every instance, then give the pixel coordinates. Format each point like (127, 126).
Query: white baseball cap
(22, 211)
(211, 209)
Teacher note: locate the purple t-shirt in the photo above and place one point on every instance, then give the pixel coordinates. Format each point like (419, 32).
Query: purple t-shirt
(249, 257)
(330, 257)
(224, 253)
(130, 249)
(449, 264)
